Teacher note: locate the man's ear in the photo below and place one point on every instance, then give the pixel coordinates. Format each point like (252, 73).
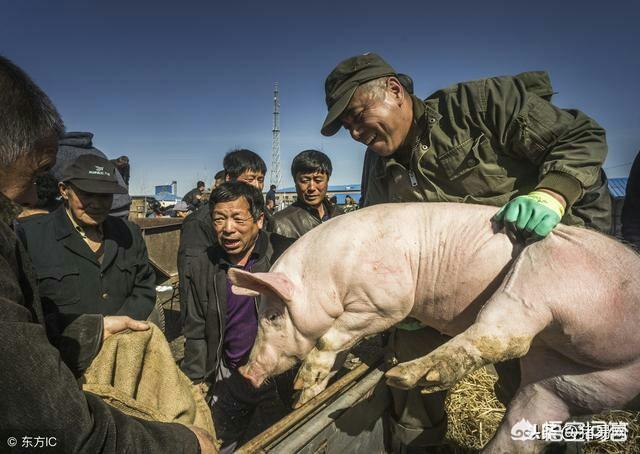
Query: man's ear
(395, 89)
(62, 189)
(260, 221)
(253, 284)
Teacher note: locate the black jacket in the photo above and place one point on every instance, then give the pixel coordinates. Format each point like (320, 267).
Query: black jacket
(70, 279)
(631, 208)
(205, 307)
(191, 199)
(40, 394)
(196, 235)
(298, 218)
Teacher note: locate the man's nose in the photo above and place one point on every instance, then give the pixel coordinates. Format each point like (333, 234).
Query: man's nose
(229, 226)
(355, 133)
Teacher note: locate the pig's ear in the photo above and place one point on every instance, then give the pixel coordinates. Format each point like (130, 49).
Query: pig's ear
(245, 283)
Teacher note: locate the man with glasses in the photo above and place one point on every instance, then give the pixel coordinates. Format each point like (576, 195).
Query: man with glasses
(220, 327)
(197, 233)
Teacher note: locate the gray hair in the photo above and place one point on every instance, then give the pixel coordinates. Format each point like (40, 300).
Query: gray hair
(374, 88)
(27, 115)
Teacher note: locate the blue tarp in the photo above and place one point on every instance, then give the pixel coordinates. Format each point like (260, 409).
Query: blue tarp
(618, 187)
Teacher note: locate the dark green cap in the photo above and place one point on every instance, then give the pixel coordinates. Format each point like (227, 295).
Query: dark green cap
(343, 81)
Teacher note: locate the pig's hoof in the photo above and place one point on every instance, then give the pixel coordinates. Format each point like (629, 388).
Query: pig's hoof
(439, 376)
(403, 376)
(305, 395)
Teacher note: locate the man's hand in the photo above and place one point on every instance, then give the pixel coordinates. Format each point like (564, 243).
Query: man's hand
(116, 323)
(203, 387)
(206, 441)
(535, 214)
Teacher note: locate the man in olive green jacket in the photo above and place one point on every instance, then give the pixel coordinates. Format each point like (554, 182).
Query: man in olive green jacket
(496, 141)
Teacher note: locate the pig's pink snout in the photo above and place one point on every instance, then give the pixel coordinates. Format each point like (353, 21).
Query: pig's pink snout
(250, 374)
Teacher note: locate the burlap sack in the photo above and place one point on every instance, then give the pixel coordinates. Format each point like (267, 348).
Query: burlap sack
(136, 373)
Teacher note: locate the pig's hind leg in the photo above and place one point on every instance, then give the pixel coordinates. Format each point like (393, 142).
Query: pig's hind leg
(503, 330)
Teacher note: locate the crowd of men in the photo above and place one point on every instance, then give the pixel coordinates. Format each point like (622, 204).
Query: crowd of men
(77, 272)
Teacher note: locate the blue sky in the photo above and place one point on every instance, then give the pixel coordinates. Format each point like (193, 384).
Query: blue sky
(175, 85)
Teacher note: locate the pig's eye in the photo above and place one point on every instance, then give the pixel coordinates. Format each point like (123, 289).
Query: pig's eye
(272, 317)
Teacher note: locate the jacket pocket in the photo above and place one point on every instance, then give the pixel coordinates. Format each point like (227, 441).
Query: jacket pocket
(471, 168)
(59, 285)
(126, 279)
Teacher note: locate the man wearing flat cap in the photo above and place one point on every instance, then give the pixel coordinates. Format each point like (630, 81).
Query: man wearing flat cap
(496, 141)
(88, 262)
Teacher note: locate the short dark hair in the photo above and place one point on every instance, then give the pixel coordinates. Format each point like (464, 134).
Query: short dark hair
(219, 175)
(27, 115)
(238, 161)
(311, 161)
(233, 190)
(47, 190)
(200, 184)
(273, 186)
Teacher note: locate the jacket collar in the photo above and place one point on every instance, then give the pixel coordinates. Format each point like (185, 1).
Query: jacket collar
(424, 118)
(66, 232)
(258, 253)
(9, 210)
(328, 208)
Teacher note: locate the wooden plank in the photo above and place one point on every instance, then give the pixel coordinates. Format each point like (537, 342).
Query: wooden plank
(261, 441)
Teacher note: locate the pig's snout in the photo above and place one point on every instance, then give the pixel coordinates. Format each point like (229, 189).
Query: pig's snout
(251, 374)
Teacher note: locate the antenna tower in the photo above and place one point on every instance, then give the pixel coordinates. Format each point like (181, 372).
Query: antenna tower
(276, 177)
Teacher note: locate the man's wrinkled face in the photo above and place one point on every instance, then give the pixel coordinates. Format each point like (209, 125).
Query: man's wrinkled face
(235, 228)
(312, 187)
(251, 177)
(86, 208)
(378, 122)
(17, 182)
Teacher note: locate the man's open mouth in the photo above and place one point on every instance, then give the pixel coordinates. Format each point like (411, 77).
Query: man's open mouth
(367, 141)
(230, 243)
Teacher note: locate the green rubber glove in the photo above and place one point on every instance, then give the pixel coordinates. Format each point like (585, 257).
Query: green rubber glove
(535, 213)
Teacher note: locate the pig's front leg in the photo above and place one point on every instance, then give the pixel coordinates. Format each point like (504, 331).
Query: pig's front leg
(314, 374)
(318, 366)
(504, 330)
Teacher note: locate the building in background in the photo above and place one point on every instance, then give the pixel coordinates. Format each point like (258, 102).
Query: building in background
(286, 196)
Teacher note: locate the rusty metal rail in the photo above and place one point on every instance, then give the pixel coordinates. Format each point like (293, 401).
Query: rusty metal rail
(162, 237)
(288, 425)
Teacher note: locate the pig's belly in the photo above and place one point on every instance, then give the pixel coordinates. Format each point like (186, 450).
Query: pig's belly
(461, 292)
(449, 321)
(585, 389)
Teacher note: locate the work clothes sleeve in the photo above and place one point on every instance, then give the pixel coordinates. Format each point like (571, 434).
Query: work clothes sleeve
(568, 147)
(194, 327)
(41, 395)
(79, 342)
(142, 300)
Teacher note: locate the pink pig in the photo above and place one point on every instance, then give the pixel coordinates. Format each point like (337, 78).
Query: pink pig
(568, 306)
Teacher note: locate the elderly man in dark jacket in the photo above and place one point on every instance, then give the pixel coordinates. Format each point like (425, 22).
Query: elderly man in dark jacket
(86, 261)
(40, 394)
(311, 170)
(220, 327)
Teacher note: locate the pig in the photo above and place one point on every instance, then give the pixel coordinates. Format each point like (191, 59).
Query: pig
(568, 306)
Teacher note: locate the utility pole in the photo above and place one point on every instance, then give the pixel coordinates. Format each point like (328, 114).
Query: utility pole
(276, 177)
